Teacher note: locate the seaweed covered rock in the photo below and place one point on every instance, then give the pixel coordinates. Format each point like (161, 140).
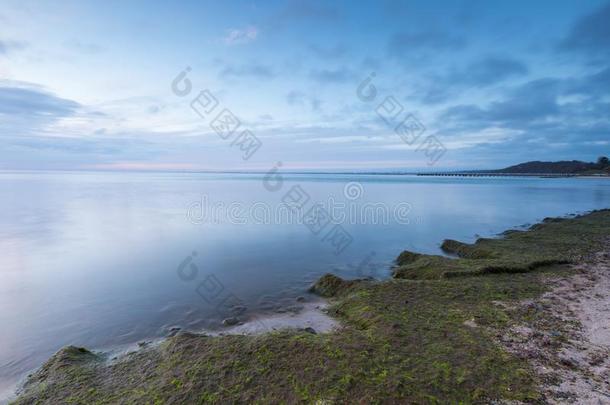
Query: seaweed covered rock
(66, 359)
(550, 220)
(426, 267)
(464, 250)
(407, 257)
(330, 285)
(71, 355)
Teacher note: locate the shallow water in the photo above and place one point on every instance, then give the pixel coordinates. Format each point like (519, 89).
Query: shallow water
(106, 259)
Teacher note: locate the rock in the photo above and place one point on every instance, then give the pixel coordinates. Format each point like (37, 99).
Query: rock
(230, 321)
(464, 250)
(328, 285)
(300, 298)
(407, 257)
(67, 357)
(311, 330)
(548, 220)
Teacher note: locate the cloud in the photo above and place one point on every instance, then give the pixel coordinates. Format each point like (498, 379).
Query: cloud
(29, 151)
(307, 10)
(590, 35)
(241, 36)
(490, 70)
(534, 114)
(482, 73)
(340, 75)
(593, 85)
(533, 101)
(403, 45)
(296, 97)
(34, 102)
(254, 70)
(370, 63)
(70, 145)
(9, 46)
(332, 52)
(30, 109)
(155, 109)
(84, 47)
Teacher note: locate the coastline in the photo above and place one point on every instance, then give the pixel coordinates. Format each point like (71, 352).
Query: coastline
(433, 303)
(311, 317)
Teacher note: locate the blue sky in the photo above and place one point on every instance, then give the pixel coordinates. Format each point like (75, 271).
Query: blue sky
(87, 85)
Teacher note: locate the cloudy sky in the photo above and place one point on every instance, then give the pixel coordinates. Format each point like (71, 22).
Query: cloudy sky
(88, 85)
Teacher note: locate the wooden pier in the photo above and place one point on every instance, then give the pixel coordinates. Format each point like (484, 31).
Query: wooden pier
(494, 174)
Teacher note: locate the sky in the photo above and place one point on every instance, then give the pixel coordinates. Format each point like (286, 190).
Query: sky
(92, 85)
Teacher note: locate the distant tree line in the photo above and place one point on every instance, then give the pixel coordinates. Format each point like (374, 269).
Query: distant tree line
(561, 167)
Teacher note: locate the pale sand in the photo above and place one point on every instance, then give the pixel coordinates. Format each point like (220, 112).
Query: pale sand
(312, 315)
(576, 367)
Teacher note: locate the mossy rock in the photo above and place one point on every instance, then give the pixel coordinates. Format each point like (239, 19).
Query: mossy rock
(466, 250)
(426, 267)
(550, 220)
(70, 355)
(554, 242)
(330, 285)
(62, 363)
(407, 257)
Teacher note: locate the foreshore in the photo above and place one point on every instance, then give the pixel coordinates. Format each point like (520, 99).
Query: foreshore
(523, 317)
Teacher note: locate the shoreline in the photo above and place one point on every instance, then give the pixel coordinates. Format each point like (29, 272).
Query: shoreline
(358, 306)
(312, 317)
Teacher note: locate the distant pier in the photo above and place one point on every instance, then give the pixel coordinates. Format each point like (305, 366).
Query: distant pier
(494, 174)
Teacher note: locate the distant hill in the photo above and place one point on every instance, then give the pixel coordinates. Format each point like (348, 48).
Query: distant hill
(536, 168)
(562, 167)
